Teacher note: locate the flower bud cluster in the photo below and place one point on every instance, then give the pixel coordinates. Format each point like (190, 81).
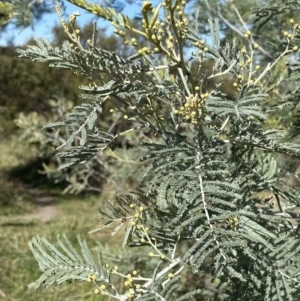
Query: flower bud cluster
(291, 35)
(233, 223)
(100, 289)
(132, 288)
(192, 109)
(158, 33)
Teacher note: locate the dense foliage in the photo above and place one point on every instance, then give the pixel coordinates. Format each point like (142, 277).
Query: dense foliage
(210, 155)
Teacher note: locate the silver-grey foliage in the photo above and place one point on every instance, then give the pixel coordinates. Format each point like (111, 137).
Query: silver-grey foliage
(202, 183)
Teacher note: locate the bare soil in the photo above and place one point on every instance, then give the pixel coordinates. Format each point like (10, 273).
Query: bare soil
(46, 209)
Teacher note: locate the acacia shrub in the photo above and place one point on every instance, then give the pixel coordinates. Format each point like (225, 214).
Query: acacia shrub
(208, 157)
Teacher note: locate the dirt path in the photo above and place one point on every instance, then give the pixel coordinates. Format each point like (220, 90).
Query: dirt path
(45, 207)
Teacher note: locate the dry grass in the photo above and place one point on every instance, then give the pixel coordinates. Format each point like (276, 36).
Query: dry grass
(17, 264)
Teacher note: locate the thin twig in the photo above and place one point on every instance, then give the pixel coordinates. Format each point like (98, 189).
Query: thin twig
(224, 72)
(239, 16)
(287, 276)
(175, 246)
(205, 209)
(160, 274)
(231, 26)
(224, 124)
